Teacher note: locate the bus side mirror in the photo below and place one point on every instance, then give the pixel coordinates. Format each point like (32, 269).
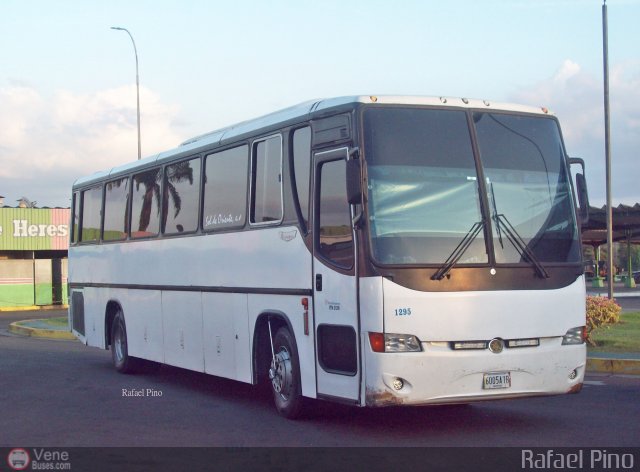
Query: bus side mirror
(581, 190)
(354, 188)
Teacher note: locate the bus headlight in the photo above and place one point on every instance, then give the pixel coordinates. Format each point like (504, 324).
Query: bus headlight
(390, 342)
(577, 335)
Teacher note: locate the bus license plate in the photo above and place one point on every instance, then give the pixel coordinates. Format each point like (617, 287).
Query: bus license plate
(497, 380)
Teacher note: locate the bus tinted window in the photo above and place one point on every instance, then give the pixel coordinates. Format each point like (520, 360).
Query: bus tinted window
(225, 189)
(336, 239)
(302, 167)
(266, 185)
(529, 188)
(423, 186)
(116, 203)
(145, 208)
(75, 218)
(181, 197)
(90, 218)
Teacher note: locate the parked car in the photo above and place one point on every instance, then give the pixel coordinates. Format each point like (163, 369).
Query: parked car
(636, 276)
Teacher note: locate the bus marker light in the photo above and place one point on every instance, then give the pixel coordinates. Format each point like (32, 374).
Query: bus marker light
(470, 345)
(377, 342)
(305, 314)
(523, 342)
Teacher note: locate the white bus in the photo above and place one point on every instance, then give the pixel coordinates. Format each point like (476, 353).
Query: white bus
(368, 250)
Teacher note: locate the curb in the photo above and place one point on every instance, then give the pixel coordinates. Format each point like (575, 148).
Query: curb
(613, 366)
(33, 308)
(17, 328)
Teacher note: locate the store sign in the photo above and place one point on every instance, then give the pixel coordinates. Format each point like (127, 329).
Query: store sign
(33, 229)
(22, 229)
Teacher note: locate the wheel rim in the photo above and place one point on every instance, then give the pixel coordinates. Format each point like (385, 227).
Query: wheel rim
(119, 343)
(281, 373)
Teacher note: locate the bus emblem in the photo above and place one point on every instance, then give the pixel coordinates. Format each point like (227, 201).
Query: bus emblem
(496, 345)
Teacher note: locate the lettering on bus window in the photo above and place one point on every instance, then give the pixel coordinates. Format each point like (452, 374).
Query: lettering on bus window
(302, 169)
(266, 184)
(335, 235)
(145, 204)
(90, 218)
(225, 189)
(181, 197)
(116, 205)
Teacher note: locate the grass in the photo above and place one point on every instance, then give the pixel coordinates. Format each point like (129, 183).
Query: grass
(57, 322)
(620, 337)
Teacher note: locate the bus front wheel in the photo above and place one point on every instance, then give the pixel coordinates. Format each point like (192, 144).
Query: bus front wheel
(284, 373)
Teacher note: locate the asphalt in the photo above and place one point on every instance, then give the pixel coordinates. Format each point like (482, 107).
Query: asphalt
(625, 363)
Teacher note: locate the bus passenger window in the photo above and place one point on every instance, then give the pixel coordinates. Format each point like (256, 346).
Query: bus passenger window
(116, 205)
(90, 217)
(266, 185)
(302, 168)
(145, 210)
(225, 189)
(75, 208)
(181, 197)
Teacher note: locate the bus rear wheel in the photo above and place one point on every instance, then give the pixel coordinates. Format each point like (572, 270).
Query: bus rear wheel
(284, 373)
(123, 363)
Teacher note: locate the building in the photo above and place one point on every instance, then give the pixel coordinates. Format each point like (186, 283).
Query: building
(34, 244)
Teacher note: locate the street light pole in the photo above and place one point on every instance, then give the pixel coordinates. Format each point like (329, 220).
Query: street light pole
(135, 51)
(607, 146)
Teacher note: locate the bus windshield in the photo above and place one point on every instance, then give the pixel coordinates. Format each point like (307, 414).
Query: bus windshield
(528, 186)
(424, 196)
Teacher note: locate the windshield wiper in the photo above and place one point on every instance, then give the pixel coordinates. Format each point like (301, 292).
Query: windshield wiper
(503, 224)
(457, 253)
(520, 245)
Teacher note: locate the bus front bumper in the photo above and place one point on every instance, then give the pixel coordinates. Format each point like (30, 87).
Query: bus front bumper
(440, 375)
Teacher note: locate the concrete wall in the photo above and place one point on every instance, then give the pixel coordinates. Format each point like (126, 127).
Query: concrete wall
(25, 282)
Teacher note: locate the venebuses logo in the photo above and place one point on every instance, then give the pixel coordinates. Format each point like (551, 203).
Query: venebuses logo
(18, 459)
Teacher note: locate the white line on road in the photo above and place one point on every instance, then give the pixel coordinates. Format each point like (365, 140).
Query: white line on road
(594, 382)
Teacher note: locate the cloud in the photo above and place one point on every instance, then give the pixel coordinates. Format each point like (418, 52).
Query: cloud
(577, 98)
(48, 142)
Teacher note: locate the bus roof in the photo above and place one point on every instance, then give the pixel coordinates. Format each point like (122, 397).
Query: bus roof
(303, 110)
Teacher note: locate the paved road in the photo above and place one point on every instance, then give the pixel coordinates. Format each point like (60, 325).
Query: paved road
(61, 393)
(629, 304)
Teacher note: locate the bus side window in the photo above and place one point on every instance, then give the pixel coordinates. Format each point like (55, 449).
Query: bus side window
(225, 189)
(181, 197)
(335, 235)
(116, 203)
(75, 218)
(145, 210)
(90, 214)
(266, 181)
(302, 170)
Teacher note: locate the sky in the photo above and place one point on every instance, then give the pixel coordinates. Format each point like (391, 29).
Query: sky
(67, 81)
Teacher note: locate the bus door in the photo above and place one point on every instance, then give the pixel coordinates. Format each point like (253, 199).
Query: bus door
(335, 282)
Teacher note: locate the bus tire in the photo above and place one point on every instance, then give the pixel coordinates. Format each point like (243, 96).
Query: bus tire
(122, 361)
(284, 373)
